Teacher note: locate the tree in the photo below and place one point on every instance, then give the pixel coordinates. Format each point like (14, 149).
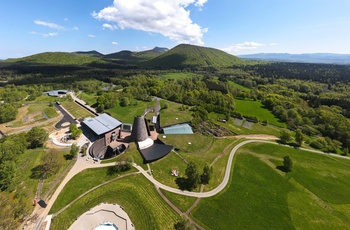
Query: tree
(183, 223)
(287, 163)
(8, 171)
(192, 175)
(36, 137)
(124, 102)
(74, 149)
(75, 132)
(299, 137)
(52, 162)
(7, 113)
(205, 177)
(285, 136)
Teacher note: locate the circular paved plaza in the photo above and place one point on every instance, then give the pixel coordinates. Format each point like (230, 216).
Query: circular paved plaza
(102, 214)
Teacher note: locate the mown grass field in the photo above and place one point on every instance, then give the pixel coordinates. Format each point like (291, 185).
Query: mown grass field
(202, 150)
(260, 196)
(136, 194)
(255, 108)
(173, 114)
(76, 110)
(178, 75)
(126, 114)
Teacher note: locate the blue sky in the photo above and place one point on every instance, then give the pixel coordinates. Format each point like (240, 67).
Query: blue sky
(235, 26)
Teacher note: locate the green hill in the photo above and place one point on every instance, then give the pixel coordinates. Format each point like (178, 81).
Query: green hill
(58, 58)
(130, 56)
(184, 55)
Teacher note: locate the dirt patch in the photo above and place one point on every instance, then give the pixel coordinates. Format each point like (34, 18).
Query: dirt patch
(65, 124)
(257, 137)
(238, 122)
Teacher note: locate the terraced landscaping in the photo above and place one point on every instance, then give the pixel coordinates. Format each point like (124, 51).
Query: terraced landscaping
(77, 111)
(140, 200)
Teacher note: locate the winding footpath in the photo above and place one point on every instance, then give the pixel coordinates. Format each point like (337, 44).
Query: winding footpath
(82, 164)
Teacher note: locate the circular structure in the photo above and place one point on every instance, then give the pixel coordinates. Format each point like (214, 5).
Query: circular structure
(104, 217)
(106, 226)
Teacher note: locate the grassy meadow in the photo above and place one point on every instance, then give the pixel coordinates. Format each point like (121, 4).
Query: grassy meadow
(126, 114)
(255, 108)
(135, 193)
(27, 179)
(90, 99)
(263, 197)
(257, 128)
(178, 75)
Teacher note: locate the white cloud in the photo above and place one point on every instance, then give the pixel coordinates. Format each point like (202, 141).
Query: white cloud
(45, 35)
(50, 35)
(91, 36)
(169, 18)
(115, 43)
(245, 46)
(49, 24)
(200, 3)
(76, 28)
(109, 26)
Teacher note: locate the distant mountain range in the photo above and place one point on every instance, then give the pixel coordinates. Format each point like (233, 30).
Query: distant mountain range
(322, 58)
(181, 56)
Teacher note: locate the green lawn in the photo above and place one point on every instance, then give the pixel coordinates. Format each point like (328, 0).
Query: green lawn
(76, 110)
(172, 115)
(90, 99)
(202, 150)
(51, 112)
(126, 114)
(260, 196)
(181, 202)
(178, 75)
(241, 87)
(162, 169)
(146, 209)
(255, 108)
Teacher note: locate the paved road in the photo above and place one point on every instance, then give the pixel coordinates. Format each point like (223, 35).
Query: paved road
(66, 117)
(225, 181)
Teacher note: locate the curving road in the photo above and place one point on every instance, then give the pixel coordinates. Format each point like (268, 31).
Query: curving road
(225, 181)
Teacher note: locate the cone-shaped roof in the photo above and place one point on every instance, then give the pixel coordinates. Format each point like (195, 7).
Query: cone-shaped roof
(139, 129)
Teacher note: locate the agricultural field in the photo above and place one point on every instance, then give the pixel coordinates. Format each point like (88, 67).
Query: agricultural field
(261, 196)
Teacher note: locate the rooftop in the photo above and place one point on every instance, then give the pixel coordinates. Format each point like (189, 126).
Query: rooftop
(102, 123)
